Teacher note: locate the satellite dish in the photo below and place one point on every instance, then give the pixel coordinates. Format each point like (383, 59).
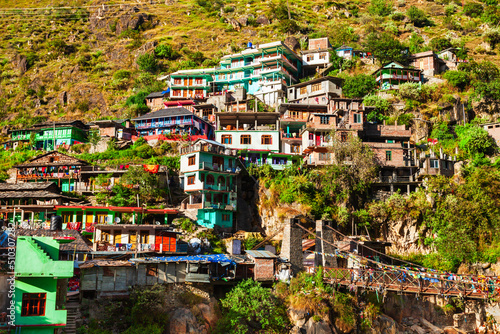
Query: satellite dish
(117, 220)
(157, 223)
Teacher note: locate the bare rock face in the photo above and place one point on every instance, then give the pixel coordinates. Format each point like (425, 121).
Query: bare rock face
(131, 22)
(209, 312)
(235, 24)
(292, 43)
(21, 63)
(317, 327)
(263, 20)
(184, 322)
(383, 324)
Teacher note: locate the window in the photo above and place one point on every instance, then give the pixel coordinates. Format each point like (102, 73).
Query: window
(343, 137)
(33, 304)
(303, 90)
(101, 217)
(144, 237)
(152, 270)
(227, 139)
(280, 161)
(225, 217)
(191, 160)
(434, 163)
(358, 118)
(198, 81)
(221, 181)
(245, 140)
(105, 236)
(322, 56)
(324, 120)
(67, 217)
(266, 140)
(309, 58)
(177, 81)
(295, 148)
(210, 179)
(190, 179)
(324, 156)
(316, 87)
(388, 155)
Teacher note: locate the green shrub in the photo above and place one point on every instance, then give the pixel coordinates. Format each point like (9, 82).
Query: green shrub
(359, 85)
(417, 16)
(147, 62)
(457, 79)
(473, 9)
(380, 7)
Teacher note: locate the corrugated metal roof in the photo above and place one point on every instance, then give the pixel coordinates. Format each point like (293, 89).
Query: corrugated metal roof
(260, 254)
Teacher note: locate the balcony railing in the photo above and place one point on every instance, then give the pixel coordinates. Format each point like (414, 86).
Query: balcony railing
(219, 187)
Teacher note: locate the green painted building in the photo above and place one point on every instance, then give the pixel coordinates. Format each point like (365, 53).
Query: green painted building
(62, 133)
(209, 171)
(40, 285)
(393, 74)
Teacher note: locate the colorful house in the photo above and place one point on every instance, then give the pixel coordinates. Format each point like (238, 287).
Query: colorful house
(51, 135)
(209, 171)
(52, 166)
(316, 91)
(348, 52)
(176, 121)
(155, 100)
(263, 71)
(191, 84)
(393, 74)
(317, 55)
(40, 285)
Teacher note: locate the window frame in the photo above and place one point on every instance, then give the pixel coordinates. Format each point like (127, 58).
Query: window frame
(358, 118)
(229, 139)
(266, 140)
(244, 138)
(433, 162)
(192, 160)
(388, 155)
(191, 180)
(26, 306)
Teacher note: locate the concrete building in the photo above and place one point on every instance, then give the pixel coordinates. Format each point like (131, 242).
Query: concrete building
(171, 122)
(40, 285)
(317, 56)
(119, 129)
(155, 100)
(493, 130)
(316, 91)
(428, 62)
(209, 173)
(51, 135)
(348, 52)
(393, 74)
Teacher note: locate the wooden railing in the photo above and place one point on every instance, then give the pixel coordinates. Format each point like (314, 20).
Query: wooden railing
(414, 282)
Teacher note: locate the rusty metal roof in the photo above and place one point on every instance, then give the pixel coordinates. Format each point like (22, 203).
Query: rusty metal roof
(260, 254)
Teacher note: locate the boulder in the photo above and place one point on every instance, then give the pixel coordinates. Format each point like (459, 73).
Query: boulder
(243, 21)
(235, 24)
(209, 312)
(262, 19)
(21, 63)
(298, 317)
(292, 43)
(317, 327)
(453, 330)
(383, 324)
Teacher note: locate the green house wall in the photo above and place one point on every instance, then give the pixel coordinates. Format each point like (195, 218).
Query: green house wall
(212, 217)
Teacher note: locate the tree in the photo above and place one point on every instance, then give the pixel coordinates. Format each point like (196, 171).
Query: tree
(385, 47)
(381, 105)
(94, 137)
(473, 9)
(440, 43)
(475, 140)
(358, 85)
(166, 51)
(417, 17)
(343, 34)
(142, 183)
(380, 7)
(147, 62)
(457, 79)
(249, 308)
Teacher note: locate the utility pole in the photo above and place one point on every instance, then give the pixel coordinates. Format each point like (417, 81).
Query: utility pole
(54, 136)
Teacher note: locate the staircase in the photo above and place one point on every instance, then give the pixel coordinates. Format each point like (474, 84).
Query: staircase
(73, 312)
(45, 256)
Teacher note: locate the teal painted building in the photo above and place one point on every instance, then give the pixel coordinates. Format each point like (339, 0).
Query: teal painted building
(264, 71)
(40, 285)
(209, 178)
(393, 74)
(62, 133)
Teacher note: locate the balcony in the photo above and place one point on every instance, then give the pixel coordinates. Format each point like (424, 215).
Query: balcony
(218, 187)
(291, 136)
(216, 167)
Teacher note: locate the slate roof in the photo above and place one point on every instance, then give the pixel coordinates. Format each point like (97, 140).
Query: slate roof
(82, 245)
(33, 163)
(156, 95)
(29, 194)
(26, 186)
(169, 112)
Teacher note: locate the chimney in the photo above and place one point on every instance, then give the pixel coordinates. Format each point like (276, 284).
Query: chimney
(291, 247)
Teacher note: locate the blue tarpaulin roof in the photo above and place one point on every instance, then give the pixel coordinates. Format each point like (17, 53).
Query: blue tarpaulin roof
(215, 258)
(166, 91)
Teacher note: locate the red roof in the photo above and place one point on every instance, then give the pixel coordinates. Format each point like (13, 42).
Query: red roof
(117, 208)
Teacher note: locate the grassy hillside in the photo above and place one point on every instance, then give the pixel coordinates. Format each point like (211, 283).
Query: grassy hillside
(80, 60)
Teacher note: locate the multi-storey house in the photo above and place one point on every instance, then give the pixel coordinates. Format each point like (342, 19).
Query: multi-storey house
(53, 166)
(155, 100)
(348, 52)
(120, 129)
(173, 122)
(317, 55)
(393, 74)
(209, 172)
(428, 62)
(191, 84)
(51, 135)
(40, 286)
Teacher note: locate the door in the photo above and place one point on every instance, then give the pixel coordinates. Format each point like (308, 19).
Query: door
(190, 82)
(118, 238)
(133, 240)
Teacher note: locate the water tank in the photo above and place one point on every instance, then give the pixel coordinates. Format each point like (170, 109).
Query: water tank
(249, 45)
(56, 223)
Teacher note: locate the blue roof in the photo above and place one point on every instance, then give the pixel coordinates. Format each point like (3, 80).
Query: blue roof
(166, 91)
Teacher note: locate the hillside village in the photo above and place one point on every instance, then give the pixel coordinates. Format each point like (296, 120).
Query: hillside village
(177, 194)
